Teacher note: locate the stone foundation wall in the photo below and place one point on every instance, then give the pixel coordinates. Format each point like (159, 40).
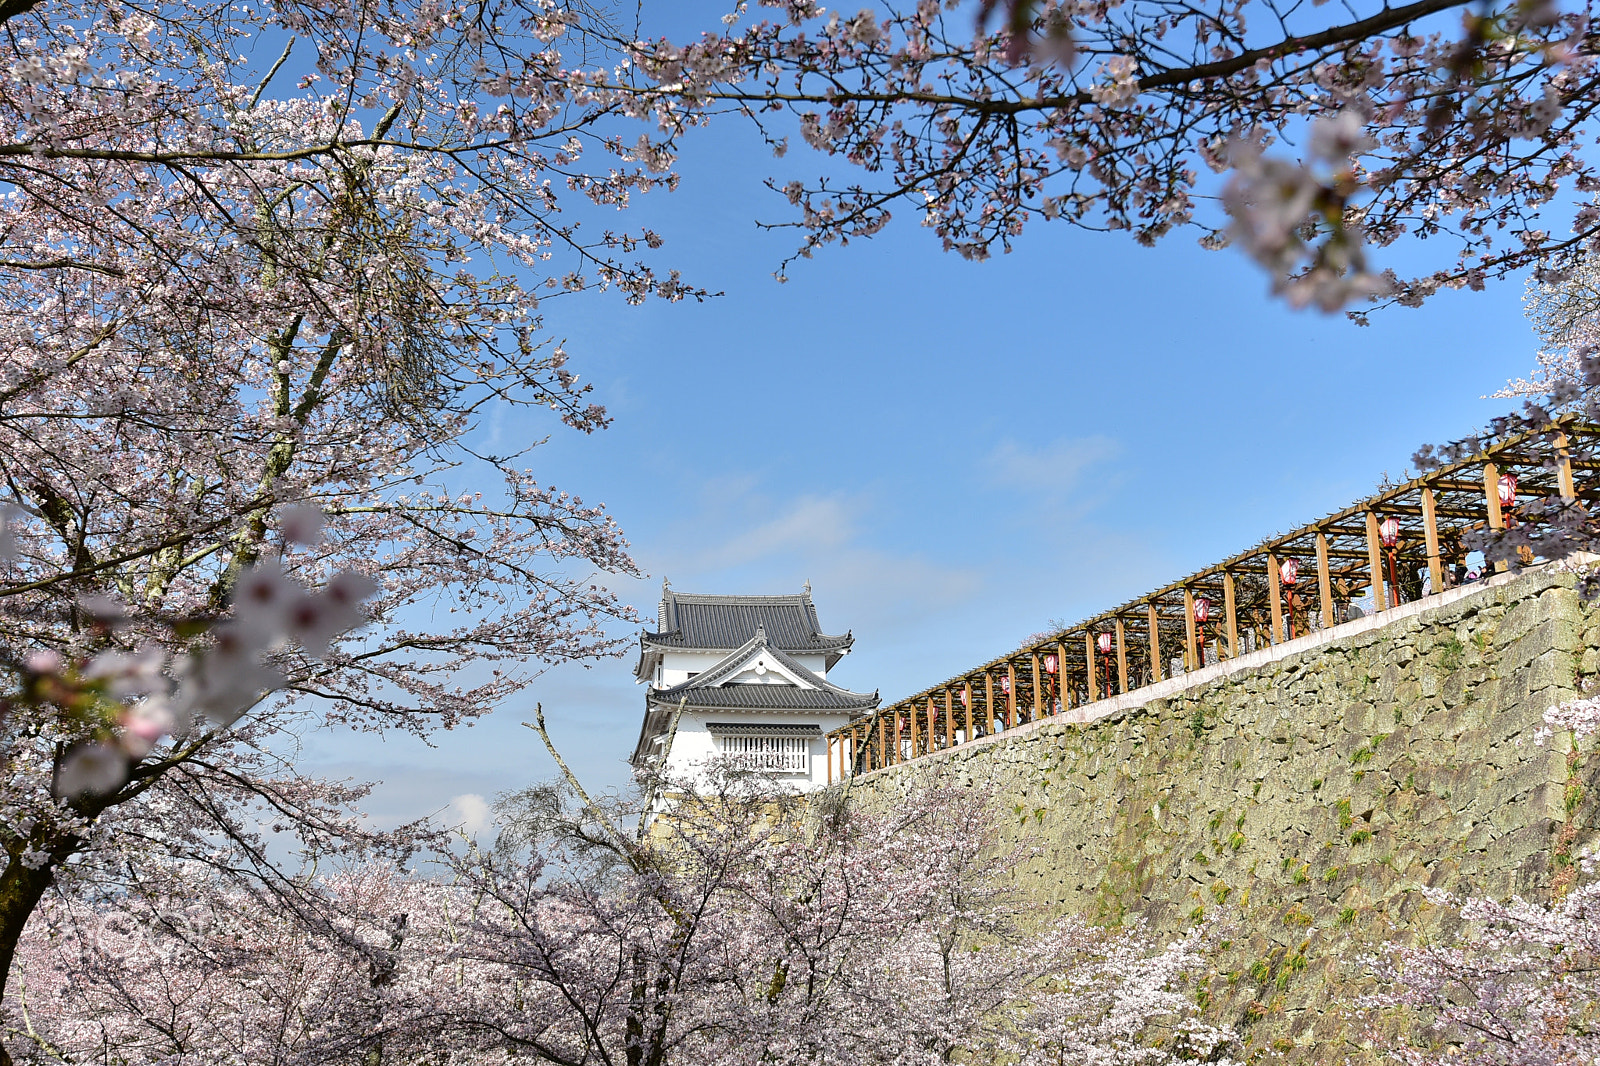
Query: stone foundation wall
(1310, 798)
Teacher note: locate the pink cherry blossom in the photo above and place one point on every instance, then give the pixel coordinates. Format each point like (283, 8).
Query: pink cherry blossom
(1465, 125)
(747, 933)
(301, 524)
(94, 768)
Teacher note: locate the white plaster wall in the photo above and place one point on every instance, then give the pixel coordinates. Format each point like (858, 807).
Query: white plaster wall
(694, 745)
(817, 664)
(676, 666)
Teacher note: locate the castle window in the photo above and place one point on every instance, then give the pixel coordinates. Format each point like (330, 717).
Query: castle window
(769, 754)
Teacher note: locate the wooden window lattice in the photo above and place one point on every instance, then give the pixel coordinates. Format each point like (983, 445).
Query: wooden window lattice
(775, 755)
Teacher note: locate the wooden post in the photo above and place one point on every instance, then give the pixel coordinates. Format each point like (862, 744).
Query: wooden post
(1324, 580)
(1232, 615)
(1158, 669)
(1491, 495)
(1189, 661)
(1430, 533)
(883, 752)
(1061, 674)
(1038, 691)
(1564, 483)
(988, 701)
(1088, 651)
(966, 705)
(1122, 657)
(950, 719)
(1375, 563)
(1275, 591)
(1011, 696)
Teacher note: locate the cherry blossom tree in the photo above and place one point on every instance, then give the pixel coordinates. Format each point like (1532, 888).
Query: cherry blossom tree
(1507, 983)
(742, 930)
(264, 272)
(1515, 987)
(1565, 314)
(1338, 128)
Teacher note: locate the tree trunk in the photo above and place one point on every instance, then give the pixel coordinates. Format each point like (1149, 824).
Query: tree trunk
(21, 889)
(10, 9)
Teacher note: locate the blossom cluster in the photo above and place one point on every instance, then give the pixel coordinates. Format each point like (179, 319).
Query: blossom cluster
(1515, 986)
(1470, 119)
(133, 697)
(740, 932)
(1273, 203)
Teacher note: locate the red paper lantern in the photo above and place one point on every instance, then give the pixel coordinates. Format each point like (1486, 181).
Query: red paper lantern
(1005, 684)
(1289, 572)
(1202, 610)
(1508, 490)
(1050, 664)
(1389, 532)
(964, 697)
(1103, 642)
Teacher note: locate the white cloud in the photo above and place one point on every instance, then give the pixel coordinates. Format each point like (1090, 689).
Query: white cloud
(1053, 470)
(741, 542)
(468, 812)
(809, 525)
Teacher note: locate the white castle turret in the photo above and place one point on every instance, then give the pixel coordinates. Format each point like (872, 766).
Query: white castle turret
(750, 676)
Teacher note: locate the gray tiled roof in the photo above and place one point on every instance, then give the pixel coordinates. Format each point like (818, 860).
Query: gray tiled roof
(769, 697)
(707, 689)
(726, 622)
(757, 729)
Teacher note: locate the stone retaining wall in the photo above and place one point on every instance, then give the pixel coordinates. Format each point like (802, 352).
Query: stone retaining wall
(1310, 797)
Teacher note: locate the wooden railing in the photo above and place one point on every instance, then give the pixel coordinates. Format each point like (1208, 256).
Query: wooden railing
(1285, 587)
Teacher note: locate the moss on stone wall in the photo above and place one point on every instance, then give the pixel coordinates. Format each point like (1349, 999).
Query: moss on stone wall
(1305, 802)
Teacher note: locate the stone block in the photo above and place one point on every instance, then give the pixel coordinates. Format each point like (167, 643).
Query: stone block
(1519, 621)
(1553, 669)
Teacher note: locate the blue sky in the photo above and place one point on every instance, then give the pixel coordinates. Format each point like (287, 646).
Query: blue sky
(952, 453)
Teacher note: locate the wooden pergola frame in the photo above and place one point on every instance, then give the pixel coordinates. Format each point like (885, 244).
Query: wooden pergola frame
(1340, 558)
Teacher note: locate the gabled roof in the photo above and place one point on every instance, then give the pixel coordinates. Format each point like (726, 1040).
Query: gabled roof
(807, 691)
(697, 622)
(801, 691)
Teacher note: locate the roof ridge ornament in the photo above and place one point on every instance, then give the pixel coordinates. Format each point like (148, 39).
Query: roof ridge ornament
(807, 586)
